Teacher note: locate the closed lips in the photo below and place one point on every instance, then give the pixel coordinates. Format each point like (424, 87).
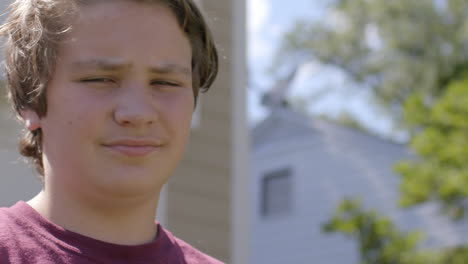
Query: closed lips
(134, 147)
(134, 143)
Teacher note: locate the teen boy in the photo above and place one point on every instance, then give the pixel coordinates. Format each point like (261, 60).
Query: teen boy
(106, 90)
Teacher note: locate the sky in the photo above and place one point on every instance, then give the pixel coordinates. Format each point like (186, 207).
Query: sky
(267, 21)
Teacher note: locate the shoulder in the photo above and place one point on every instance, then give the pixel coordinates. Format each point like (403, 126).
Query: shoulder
(13, 222)
(6, 222)
(7, 231)
(194, 256)
(190, 253)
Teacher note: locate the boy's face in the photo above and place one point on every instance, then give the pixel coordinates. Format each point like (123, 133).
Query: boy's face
(119, 103)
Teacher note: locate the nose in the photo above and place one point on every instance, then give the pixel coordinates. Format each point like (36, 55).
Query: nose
(135, 107)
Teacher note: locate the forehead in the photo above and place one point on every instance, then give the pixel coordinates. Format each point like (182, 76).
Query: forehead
(148, 14)
(126, 30)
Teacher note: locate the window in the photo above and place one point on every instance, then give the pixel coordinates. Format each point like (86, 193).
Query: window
(276, 193)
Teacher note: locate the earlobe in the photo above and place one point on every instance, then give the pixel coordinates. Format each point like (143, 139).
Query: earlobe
(31, 120)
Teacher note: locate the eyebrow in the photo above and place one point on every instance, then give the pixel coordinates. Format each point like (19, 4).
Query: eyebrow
(115, 65)
(106, 65)
(171, 68)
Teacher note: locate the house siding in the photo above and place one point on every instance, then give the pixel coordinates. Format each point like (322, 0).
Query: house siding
(330, 163)
(199, 194)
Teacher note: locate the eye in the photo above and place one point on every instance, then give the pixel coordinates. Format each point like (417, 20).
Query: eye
(98, 80)
(165, 83)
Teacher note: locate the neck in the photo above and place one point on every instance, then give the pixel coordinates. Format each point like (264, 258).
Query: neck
(118, 222)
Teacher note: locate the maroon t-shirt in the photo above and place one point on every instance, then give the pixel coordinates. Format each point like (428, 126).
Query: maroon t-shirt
(27, 237)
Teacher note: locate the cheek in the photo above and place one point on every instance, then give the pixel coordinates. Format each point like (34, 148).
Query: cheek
(73, 117)
(178, 114)
(186, 111)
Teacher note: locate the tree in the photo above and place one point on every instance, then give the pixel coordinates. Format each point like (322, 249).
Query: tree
(396, 48)
(409, 53)
(413, 55)
(380, 242)
(440, 173)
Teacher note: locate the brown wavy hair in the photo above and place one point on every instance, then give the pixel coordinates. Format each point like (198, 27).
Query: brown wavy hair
(33, 32)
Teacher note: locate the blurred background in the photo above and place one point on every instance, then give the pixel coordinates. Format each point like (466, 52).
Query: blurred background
(336, 132)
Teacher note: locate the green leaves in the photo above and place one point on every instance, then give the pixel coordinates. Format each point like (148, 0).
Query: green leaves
(413, 55)
(380, 242)
(452, 109)
(398, 47)
(440, 172)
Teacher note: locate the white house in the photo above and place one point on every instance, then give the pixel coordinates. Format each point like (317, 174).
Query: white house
(301, 167)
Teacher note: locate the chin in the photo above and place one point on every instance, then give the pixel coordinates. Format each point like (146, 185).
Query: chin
(129, 180)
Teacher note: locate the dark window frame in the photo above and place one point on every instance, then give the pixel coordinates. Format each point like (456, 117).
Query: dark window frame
(276, 204)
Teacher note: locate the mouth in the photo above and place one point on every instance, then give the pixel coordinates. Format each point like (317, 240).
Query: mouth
(134, 148)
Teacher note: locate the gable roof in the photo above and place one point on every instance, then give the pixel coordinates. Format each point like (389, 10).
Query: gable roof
(280, 124)
(285, 123)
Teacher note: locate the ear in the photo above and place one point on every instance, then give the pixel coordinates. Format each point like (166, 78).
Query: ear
(31, 119)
